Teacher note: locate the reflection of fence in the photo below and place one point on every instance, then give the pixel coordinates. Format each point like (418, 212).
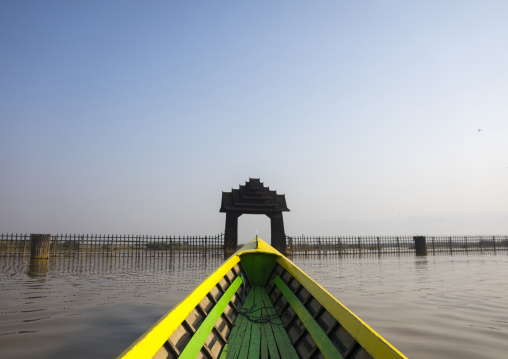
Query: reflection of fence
(116, 245)
(351, 245)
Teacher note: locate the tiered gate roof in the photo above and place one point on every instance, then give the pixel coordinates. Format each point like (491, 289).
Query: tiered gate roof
(253, 198)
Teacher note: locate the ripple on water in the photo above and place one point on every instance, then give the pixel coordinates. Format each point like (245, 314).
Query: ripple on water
(440, 307)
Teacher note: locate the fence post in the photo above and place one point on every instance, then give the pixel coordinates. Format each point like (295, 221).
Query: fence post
(24, 246)
(10, 245)
(39, 246)
(420, 245)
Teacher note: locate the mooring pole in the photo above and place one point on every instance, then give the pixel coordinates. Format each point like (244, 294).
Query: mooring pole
(39, 246)
(24, 246)
(420, 245)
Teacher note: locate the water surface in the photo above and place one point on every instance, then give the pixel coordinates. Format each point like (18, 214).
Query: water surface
(435, 306)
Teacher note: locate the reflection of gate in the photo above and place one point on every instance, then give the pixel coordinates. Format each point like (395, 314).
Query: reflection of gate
(253, 198)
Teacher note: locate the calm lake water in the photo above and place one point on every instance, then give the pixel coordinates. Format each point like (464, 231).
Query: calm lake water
(435, 306)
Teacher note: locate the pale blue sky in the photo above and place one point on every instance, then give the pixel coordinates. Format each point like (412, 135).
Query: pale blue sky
(132, 117)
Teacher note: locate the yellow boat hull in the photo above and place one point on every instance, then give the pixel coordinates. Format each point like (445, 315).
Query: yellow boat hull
(260, 304)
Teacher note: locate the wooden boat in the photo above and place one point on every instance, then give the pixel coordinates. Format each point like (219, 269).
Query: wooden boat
(259, 304)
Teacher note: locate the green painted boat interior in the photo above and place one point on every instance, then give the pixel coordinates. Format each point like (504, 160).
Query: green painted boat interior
(259, 333)
(258, 267)
(322, 341)
(197, 341)
(259, 310)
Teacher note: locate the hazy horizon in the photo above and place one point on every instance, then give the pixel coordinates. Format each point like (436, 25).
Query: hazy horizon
(372, 118)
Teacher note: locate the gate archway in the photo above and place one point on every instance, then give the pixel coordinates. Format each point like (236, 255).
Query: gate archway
(253, 198)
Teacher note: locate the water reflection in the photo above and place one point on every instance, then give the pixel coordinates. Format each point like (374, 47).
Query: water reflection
(437, 306)
(38, 268)
(421, 263)
(97, 304)
(434, 306)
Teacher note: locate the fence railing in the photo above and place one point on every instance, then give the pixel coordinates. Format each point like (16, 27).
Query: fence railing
(150, 246)
(354, 245)
(348, 245)
(466, 244)
(115, 245)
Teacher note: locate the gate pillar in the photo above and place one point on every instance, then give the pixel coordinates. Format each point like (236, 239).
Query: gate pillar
(277, 232)
(231, 233)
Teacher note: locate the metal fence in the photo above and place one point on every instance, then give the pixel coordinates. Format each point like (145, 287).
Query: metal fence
(116, 245)
(354, 245)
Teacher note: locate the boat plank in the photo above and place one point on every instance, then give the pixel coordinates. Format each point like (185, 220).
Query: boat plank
(259, 340)
(199, 338)
(235, 341)
(255, 340)
(281, 338)
(268, 330)
(264, 344)
(322, 340)
(246, 342)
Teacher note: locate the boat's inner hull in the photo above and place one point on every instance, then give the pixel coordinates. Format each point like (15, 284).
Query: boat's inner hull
(275, 319)
(217, 338)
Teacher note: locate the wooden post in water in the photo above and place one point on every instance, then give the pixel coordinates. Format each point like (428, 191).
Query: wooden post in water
(420, 245)
(24, 246)
(40, 246)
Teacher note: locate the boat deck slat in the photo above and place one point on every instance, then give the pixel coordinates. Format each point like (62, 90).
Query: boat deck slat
(232, 348)
(269, 338)
(198, 339)
(249, 339)
(322, 340)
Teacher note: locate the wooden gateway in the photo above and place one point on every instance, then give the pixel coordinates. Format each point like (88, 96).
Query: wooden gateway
(253, 198)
